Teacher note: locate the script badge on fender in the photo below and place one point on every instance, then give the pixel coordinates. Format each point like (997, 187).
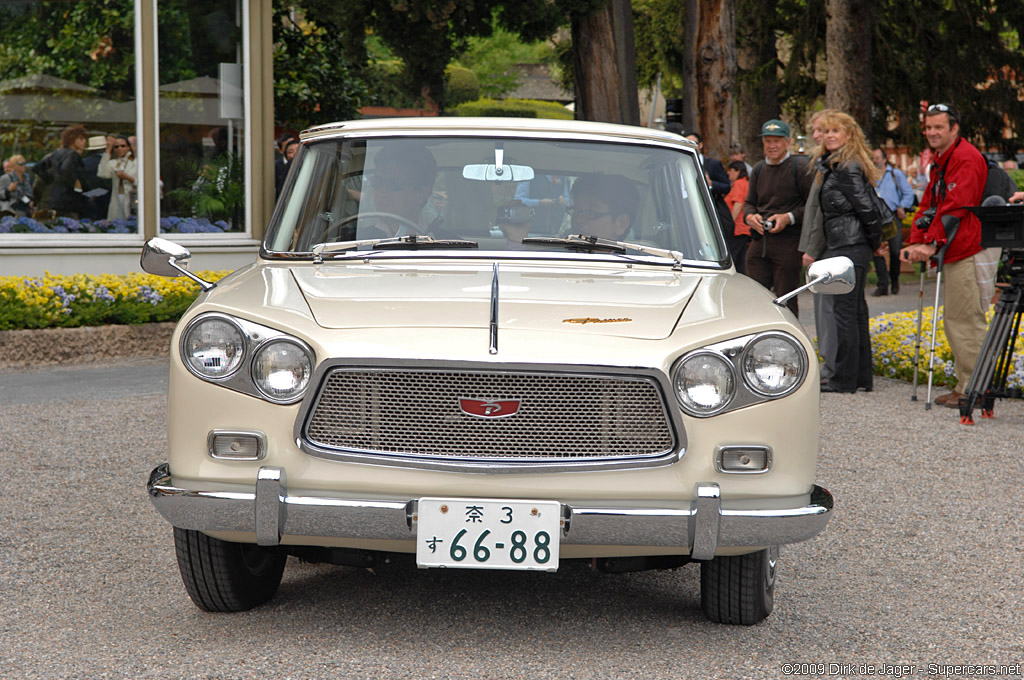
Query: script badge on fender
(494, 408)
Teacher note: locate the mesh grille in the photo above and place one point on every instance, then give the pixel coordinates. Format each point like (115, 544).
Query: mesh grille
(561, 416)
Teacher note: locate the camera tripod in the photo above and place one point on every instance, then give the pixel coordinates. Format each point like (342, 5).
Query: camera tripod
(988, 382)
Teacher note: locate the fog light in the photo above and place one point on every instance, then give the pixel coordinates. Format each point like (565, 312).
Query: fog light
(237, 445)
(744, 459)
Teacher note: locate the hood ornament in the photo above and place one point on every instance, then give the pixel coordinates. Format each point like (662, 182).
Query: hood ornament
(589, 319)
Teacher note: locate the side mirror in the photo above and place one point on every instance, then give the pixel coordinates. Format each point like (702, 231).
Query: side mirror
(834, 276)
(167, 258)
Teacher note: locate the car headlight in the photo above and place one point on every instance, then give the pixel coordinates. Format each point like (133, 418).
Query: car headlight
(705, 383)
(213, 348)
(773, 365)
(281, 370)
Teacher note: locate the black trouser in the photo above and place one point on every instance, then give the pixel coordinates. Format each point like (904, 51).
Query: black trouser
(738, 251)
(895, 243)
(854, 367)
(775, 263)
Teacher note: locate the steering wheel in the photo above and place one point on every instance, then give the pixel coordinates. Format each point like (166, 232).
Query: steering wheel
(384, 215)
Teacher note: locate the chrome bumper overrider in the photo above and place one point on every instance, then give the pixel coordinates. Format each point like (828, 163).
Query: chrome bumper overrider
(700, 527)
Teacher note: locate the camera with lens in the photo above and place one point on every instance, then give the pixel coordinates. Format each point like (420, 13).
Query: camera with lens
(925, 220)
(768, 225)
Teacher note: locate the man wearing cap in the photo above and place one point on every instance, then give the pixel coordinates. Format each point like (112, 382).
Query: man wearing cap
(774, 212)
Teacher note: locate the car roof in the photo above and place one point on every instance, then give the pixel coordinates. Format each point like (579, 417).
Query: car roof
(491, 126)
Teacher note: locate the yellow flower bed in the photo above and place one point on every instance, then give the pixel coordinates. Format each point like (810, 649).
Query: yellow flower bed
(91, 300)
(893, 341)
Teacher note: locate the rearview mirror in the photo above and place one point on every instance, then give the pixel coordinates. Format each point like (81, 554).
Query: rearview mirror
(834, 276)
(493, 173)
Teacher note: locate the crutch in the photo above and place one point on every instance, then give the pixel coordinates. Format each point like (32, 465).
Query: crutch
(920, 313)
(950, 225)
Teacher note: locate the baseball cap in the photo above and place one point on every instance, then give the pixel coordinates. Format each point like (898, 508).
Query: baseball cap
(775, 128)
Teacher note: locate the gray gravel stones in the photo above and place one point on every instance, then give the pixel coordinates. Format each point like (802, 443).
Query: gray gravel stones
(922, 564)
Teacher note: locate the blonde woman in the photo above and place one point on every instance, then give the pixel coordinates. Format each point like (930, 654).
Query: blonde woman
(852, 227)
(118, 164)
(16, 188)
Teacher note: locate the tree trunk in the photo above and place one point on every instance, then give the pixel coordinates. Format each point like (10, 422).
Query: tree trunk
(605, 63)
(713, 54)
(757, 61)
(848, 58)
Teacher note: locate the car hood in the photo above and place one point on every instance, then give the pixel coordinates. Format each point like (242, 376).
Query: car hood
(637, 302)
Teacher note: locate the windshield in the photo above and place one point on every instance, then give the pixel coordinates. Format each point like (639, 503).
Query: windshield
(494, 194)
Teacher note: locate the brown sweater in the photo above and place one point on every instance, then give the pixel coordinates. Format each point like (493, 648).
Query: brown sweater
(778, 189)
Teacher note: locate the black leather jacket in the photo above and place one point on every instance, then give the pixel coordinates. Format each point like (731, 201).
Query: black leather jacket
(850, 216)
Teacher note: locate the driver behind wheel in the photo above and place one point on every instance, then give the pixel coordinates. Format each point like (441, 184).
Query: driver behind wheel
(602, 206)
(402, 182)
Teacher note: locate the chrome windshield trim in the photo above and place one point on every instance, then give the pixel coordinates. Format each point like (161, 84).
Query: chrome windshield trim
(672, 413)
(514, 255)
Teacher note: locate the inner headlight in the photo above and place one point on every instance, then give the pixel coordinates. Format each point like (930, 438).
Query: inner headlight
(281, 370)
(773, 365)
(214, 348)
(704, 383)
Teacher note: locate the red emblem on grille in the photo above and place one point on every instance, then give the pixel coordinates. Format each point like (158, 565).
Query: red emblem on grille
(494, 408)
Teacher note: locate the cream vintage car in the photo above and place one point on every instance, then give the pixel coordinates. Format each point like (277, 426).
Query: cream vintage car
(491, 344)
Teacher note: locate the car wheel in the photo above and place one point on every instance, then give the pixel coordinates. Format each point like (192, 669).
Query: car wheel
(227, 577)
(740, 589)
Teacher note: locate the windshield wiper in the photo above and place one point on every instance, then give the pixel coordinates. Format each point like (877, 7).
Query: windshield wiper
(394, 242)
(592, 243)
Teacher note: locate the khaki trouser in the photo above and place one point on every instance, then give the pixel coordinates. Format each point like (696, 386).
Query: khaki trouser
(963, 317)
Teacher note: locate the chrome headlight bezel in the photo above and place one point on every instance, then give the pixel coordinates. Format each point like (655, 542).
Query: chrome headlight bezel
(735, 352)
(729, 391)
(264, 391)
(255, 338)
(236, 359)
(800, 360)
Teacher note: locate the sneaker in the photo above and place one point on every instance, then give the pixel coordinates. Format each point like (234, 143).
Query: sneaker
(879, 292)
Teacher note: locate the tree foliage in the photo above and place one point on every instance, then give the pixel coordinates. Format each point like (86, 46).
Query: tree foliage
(311, 85)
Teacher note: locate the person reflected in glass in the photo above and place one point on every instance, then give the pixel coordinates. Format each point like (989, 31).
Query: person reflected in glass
(602, 206)
(119, 165)
(16, 188)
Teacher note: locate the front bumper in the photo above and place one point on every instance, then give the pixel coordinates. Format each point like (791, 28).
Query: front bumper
(699, 527)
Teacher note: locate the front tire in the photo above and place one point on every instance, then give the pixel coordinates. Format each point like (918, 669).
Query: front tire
(227, 577)
(739, 590)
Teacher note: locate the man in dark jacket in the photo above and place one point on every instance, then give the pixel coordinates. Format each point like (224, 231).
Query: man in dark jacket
(774, 212)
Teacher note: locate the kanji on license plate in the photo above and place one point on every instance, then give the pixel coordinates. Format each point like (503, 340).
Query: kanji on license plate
(472, 533)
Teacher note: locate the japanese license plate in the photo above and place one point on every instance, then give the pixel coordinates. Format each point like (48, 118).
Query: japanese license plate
(470, 533)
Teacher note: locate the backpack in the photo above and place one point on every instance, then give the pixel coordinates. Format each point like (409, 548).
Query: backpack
(998, 183)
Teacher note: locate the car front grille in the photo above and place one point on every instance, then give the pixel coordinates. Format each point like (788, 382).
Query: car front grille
(561, 416)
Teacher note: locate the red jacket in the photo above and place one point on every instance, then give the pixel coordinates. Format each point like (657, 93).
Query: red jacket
(965, 173)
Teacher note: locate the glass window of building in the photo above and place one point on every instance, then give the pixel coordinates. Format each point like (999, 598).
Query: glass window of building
(68, 118)
(202, 131)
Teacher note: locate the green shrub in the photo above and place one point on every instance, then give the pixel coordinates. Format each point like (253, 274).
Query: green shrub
(512, 108)
(1018, 177)
(461, 85)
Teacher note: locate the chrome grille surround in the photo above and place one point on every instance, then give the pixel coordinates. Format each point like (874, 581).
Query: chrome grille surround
(407, 414)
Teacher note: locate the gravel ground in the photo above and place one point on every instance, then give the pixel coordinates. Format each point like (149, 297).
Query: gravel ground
(920, 565)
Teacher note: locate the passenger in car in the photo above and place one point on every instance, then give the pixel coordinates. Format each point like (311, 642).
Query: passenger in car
(603, 206)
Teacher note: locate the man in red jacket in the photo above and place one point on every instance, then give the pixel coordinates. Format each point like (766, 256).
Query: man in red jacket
(957, 180)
